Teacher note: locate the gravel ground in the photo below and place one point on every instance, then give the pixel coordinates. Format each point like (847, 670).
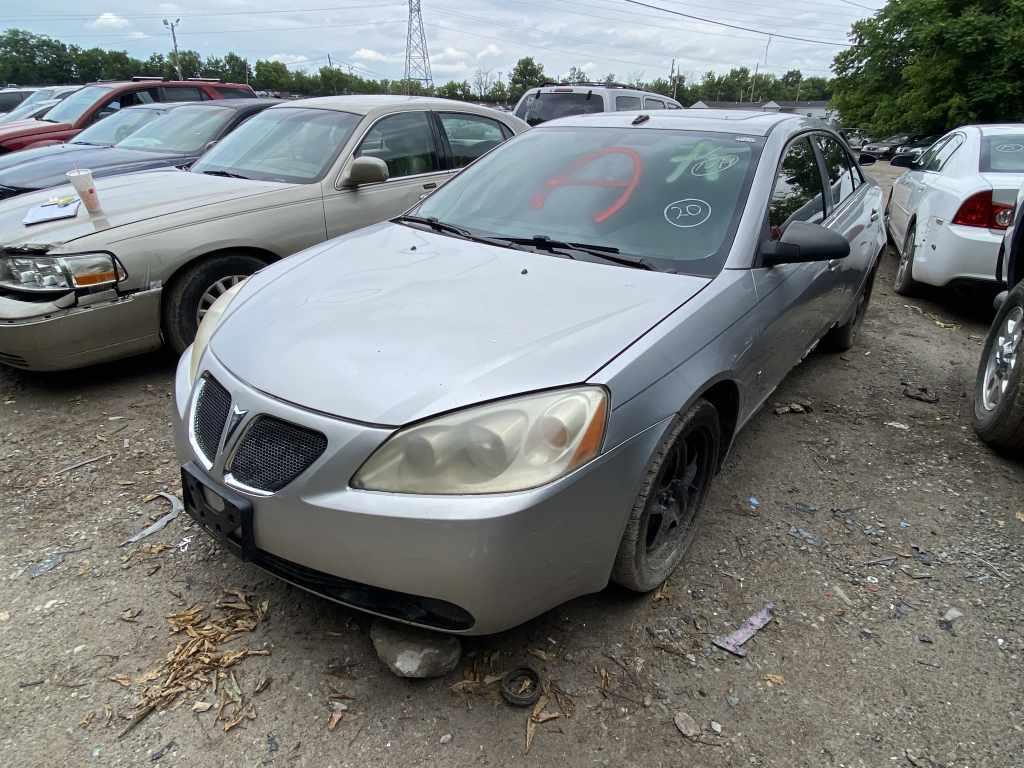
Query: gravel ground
(876, 515)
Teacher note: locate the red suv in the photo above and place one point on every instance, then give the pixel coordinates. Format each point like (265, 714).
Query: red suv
(98, 100)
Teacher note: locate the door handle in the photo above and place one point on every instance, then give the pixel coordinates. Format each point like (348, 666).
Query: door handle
(874, 214)
(430, 185)
(833, 265)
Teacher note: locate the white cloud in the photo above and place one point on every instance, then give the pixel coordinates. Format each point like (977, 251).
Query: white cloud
(449, 56)
(368, 54)
(289, 59)
(109, 21)
(490, 50)
(453, 68)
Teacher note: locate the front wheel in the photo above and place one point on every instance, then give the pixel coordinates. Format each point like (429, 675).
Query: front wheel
(667, 510)
(998, 394)
(192, 293)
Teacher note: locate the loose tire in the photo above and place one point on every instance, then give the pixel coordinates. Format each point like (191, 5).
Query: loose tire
(667, 511)
(905, 284)
(998, 394)
(844, 336)
(190, 294)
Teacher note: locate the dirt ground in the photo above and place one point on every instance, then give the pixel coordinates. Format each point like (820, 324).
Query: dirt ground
(876, 514)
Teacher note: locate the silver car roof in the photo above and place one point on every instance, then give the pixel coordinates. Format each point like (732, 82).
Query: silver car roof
(364, 104)
(716, 120)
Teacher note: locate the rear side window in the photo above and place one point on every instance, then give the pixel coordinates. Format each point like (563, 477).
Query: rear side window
(405, 142)
(11, 99)
(232, 93)
(939, 154)
(470, 136)
(540, 107)
(654, 104)
(840, 170)
(627, 103)
(1002, 153)
(797, 195)
(180, 93)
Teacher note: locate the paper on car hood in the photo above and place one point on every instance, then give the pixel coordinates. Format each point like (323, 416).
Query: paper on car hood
(391, 324)
(125, 200)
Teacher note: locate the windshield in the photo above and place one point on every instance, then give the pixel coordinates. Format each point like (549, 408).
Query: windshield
(183, 130)
(41, 95)
(26, 110)
(289, 144)
(118, 126)
(671, 197)
(1002, 153)
(900, 138)
(540, 107)
(76, 105)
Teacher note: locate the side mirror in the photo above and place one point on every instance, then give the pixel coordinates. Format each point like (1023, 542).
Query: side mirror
(905, 160)
(866, 159)
(366, 170)
(803, 242)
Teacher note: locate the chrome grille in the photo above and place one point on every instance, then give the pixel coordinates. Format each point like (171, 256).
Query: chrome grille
(212, 407)
(273, 452)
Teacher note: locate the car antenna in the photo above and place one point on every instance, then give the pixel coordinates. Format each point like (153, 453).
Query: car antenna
(640, 119)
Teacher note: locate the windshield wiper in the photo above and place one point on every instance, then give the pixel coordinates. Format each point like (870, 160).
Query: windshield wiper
(226, 174)
(91, 143)
(606, 252)
(452, 229)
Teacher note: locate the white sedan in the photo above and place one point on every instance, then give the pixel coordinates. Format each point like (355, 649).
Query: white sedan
(947, 214)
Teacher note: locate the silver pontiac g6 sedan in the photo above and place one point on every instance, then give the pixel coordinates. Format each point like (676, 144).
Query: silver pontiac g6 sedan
(522, 388)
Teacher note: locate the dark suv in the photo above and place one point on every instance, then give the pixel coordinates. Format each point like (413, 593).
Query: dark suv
(98, 100)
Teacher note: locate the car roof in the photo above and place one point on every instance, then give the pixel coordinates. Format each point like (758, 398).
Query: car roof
(715, 120)
(618, 90)
(363, 104)
(237, 104)
(998, 128)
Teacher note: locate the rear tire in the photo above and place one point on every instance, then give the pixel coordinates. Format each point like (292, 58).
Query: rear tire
(195, 288)
(905, 284)
(843, 337)
(998, 393)
(668, 509)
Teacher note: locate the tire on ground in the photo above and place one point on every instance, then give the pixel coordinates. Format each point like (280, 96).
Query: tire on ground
(907, 286)
(181, 297)
(843, 337)
(632, 568)
(1003, 426)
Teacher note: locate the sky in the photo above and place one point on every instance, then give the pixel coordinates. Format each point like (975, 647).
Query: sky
(466, 36)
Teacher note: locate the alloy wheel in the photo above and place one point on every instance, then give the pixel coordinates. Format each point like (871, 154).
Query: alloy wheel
(214, 292)
(677, 494)
(1002, 359)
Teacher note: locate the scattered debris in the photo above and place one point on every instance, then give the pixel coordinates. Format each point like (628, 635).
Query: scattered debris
(716, 727)
(537, 717)
(163, 750)
(842, 596)
(176, 508)
(687, 726)
(415, 653)
(940, 322)
(30, 683)
(798, 406)
(747, 630)
(93, 460)
(46, 565)
(446, 739)
(774, 679)
(896, 425)
(804, 535)
(202, 706)
(521, 687)
(923, 394)
(537, 653)
(338, 710)
(949, 618)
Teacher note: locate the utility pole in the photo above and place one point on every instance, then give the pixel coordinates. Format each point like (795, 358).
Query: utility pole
(673, 78)
(329, 64)
(174, 39)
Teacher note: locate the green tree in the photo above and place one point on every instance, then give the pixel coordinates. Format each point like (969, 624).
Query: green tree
(31, 59)
(526, 74)
(455, 90)
(930, 65)
(272, 76)
(236, 69)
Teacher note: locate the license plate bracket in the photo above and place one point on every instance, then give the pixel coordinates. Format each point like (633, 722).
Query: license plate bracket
(225, 515)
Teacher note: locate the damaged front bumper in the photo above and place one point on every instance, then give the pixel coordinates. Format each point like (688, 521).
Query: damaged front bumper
(67, 333)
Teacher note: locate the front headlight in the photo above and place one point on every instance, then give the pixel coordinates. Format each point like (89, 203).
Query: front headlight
(59, 273)
(208, 325)
(509, 445)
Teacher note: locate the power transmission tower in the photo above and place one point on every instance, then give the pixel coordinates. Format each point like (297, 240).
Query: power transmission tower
(417, 59)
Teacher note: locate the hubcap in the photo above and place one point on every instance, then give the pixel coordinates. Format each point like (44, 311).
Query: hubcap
(675, 499)
(214, 292)
(1002, 359)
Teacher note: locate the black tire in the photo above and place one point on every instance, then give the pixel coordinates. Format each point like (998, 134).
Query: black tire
(182, 297)
(999, 416)
(843, 337)
(904, 284)
(671, 500)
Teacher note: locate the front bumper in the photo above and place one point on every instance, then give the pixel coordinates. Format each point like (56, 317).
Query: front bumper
(499, 559)
(58, 335)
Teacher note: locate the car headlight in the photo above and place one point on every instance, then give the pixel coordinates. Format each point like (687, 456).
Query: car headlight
(208, 325)
(59, 273)
(509, 445)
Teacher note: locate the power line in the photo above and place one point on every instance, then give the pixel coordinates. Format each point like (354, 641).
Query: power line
(135, 36)
(736, 26)
(86, 17)
(858, 5)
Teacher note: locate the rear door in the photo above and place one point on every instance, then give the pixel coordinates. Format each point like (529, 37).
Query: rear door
(796, 297)
(409, 144)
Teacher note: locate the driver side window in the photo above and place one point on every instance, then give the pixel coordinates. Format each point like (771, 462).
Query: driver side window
(405, 142)
(798, 194)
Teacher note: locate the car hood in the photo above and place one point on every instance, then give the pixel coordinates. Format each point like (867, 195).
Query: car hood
(391, 324)
(46, 166)
(21, 128)
(125, 200)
